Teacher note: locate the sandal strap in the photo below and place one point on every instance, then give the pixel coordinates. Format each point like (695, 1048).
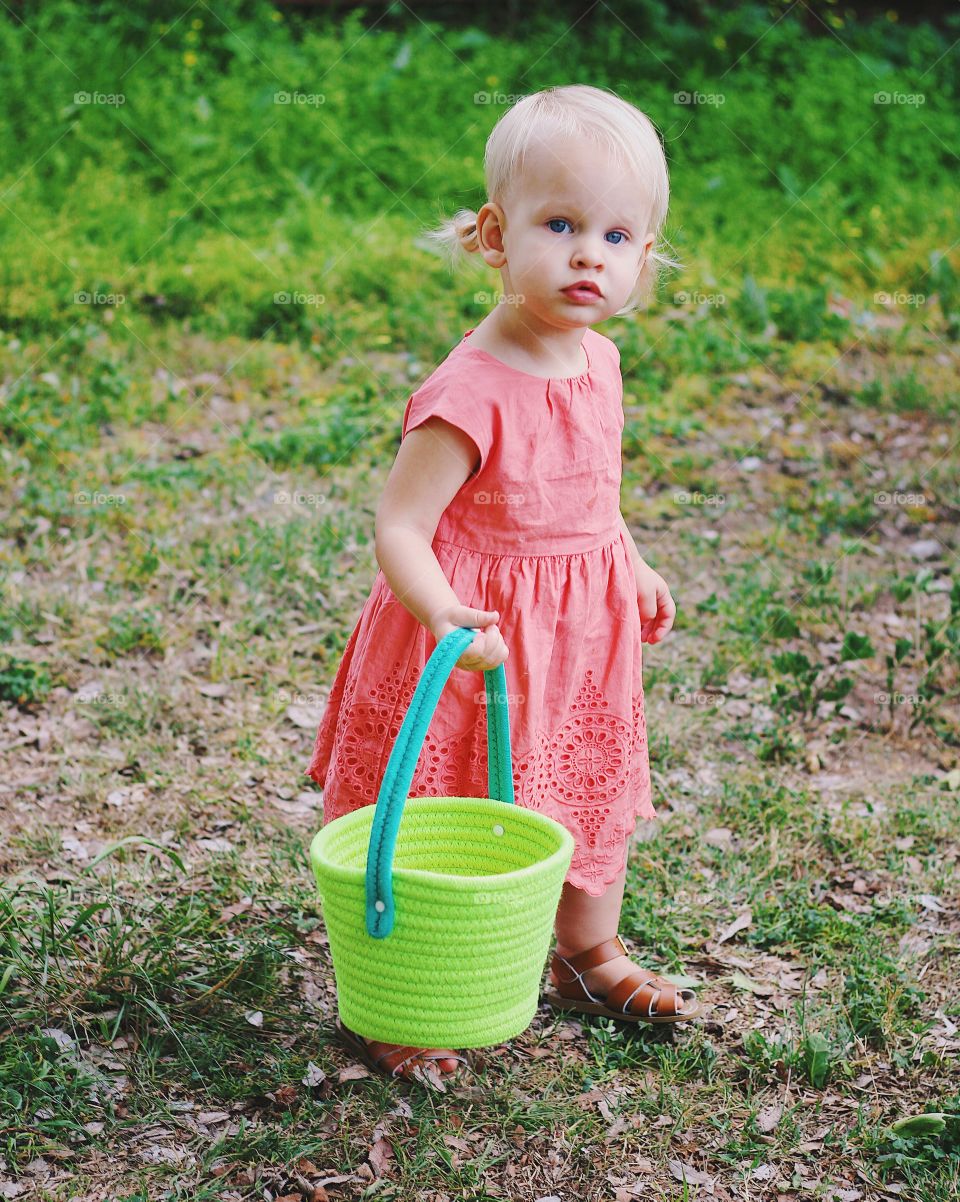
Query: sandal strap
(582, 962)
(623, 993)
(662, 1000)
(671, 996)
(415, 1054)
(407, 1052)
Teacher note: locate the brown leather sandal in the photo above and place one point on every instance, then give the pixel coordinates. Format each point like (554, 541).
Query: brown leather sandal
(659, 999)
(390, 1063)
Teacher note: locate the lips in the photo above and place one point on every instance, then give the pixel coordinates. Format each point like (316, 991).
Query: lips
(583, 288)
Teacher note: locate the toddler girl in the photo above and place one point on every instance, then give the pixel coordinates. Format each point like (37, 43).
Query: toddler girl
(502, 513)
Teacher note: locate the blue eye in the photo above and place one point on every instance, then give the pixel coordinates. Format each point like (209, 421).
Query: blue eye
(620, 236)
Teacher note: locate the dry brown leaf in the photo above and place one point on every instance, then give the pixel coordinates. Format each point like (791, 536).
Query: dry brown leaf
(238, 907)
(429, 1075)
(740, 923)
(353, 1072)
(285, 1095)
(380, 1156)
(208, 1117)
(315, 1076)
(219, 689)
(453, 1141)
(617, 1129)
(686, 1172)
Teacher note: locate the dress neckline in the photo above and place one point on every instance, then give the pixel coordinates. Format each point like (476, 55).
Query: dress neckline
(529, 374)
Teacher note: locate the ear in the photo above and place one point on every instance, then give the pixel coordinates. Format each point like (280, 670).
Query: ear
(648, 243)
(491, 222)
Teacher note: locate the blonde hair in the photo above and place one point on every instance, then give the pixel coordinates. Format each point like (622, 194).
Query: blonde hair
(577, 110)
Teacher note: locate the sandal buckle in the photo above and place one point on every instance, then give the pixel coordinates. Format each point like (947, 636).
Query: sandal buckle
(623, 946)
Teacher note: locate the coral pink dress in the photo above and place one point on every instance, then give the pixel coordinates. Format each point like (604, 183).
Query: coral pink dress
(535, 533)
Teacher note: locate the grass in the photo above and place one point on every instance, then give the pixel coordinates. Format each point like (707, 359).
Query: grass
(212, 978)
(189, 468)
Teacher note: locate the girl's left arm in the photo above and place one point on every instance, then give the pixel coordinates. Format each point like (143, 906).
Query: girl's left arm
(656, 606)
(635, 556)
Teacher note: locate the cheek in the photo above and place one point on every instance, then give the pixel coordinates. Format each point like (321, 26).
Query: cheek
(532, 264)
(629, 264)
(542, 249)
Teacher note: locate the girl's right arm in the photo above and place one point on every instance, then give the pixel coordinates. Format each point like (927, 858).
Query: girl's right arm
(434, 461)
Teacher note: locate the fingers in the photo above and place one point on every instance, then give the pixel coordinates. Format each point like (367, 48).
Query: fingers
(488, 648)
(654, 600)
(654, 630)
(486, 652)
(480, 617)
(647, 604)
(657, 612)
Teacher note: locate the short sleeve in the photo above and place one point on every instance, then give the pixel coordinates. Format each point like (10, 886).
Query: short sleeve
(465, 410)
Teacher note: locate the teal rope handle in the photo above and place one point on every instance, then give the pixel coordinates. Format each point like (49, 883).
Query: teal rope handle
(403, 762)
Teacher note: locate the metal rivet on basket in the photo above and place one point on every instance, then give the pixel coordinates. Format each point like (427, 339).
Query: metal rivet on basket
(498, 829)
(379, 906)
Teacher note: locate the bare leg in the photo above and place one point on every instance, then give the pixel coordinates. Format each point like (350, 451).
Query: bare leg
(583, 921)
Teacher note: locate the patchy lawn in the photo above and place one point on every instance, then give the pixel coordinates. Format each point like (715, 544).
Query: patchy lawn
(177, 592)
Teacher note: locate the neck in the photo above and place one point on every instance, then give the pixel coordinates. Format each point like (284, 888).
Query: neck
(551, 350)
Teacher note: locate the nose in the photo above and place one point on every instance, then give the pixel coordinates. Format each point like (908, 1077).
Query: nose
(587, 253)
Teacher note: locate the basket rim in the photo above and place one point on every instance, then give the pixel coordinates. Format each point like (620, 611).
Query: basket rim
(489, 881)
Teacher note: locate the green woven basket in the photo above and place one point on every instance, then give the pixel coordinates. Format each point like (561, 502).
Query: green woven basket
(439, 929)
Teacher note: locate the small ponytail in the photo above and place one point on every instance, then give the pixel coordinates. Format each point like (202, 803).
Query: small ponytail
(456, 237)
